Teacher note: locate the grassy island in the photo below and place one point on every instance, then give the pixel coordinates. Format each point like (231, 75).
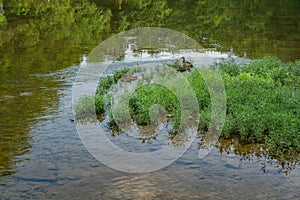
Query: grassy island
(262, 102)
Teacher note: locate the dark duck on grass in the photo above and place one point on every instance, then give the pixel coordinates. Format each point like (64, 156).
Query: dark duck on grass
(185, 65)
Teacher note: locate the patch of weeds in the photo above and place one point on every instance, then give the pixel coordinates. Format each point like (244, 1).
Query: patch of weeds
(174, 65)
(85, 107)
(88, 105)
(263, 104)
(149, 95)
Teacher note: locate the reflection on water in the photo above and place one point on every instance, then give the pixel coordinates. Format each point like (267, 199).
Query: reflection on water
(59, 166)
(41, 155)
(234, 146)
(28, 53)
(29, 98)
(250, 28)
(23, 100)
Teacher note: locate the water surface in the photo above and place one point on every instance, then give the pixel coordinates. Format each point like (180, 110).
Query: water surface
(41, 155)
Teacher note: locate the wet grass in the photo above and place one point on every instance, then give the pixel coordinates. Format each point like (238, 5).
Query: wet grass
(262, 103)
(87, 106)
(150, 95)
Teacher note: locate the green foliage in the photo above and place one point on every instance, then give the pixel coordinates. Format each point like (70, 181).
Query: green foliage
(55, 21)
(231, 70)
(2, 19)
(137, 13)
(200, 88)
(88, 105)
(85, 107)
(174, 65)
(20, 8)
(263, 103)
(221, 24)
(149, 95)
(120, 73)
(104, 85)
(99, 103)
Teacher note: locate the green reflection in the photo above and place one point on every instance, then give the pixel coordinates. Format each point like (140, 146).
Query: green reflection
(43, 36)
(251, 28)
(39, 37)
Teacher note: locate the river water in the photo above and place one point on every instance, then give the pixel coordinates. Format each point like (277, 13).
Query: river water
(42, 156)
(58, 166)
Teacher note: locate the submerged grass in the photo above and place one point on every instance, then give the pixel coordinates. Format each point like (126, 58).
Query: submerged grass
(262, 102)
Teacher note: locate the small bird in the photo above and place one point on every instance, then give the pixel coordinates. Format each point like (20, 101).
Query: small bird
(185, 65)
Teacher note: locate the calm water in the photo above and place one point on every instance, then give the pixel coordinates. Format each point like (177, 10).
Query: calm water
(41, 155)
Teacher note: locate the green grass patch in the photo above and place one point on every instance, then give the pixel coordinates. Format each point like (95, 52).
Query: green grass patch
(148, 96)
(262, 102)
(88, 105)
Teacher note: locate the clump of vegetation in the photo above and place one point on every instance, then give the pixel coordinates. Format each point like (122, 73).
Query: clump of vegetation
(2, 17)
(149, 95)
(88, 105)
(262, 103)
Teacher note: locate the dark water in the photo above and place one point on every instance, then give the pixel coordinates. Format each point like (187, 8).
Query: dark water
(41, 155)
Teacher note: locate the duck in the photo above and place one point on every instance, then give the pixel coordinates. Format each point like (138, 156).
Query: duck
(185, 65)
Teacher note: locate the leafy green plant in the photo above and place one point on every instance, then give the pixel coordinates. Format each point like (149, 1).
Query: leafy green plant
(88, 105)
(262, 103)
(147, 96)
(85, 107)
